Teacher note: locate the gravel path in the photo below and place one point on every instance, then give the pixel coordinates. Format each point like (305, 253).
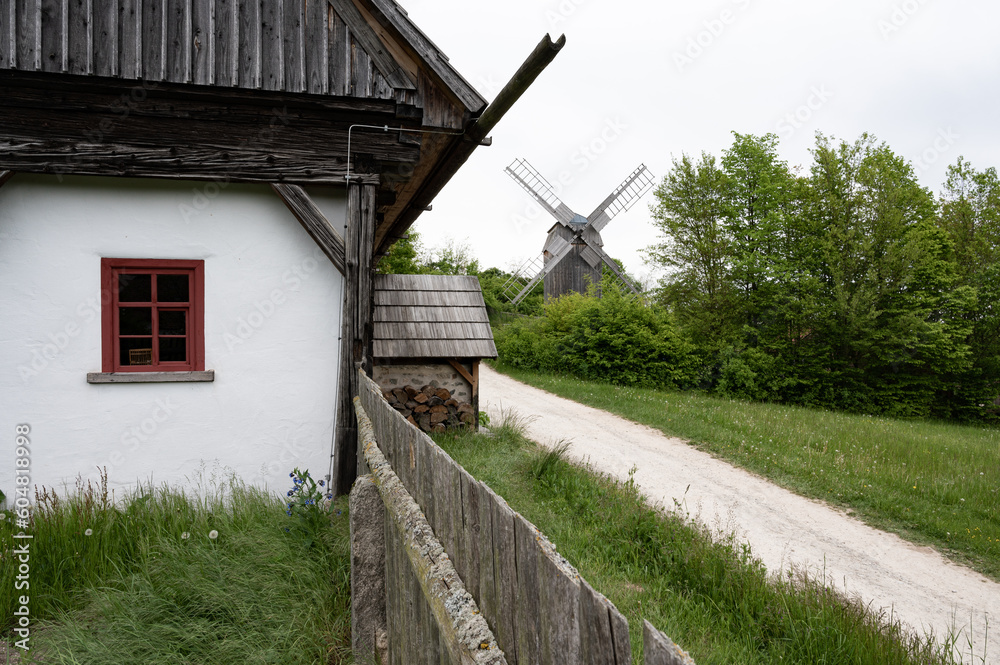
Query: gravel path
(917, 584)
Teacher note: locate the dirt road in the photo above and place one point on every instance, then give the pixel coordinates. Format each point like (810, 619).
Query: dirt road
(917, 584)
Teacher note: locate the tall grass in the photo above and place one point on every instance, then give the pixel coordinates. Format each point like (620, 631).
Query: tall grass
(931, 482)
(163, 576)
(710, 595)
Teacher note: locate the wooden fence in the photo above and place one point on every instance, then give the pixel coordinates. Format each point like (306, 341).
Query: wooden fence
(534, 602)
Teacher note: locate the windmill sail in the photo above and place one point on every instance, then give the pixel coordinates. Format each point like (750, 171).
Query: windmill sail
(532, 181)
(610, 263)
(556, 252)
(631, 190)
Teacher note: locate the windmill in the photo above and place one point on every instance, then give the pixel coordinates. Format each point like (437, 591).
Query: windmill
(574, 252)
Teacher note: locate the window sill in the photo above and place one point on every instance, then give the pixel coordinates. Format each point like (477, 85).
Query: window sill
(151, 377)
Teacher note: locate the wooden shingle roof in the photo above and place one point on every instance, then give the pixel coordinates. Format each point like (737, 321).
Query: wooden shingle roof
(324, 47)
(431, 316)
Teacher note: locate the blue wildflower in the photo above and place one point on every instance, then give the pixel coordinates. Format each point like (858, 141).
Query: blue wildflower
(290, 492)
(291, 475)
(289, 513)
(321, 483)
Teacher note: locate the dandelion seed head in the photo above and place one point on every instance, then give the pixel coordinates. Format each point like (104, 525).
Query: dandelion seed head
(185, 535)
(213, 534)
(88, 532)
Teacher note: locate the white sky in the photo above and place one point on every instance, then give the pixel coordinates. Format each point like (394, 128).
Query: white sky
(644, 82)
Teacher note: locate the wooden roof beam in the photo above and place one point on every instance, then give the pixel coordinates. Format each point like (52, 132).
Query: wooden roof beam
(315, 223)
(474, 136)
(5, 176)
(539, 59)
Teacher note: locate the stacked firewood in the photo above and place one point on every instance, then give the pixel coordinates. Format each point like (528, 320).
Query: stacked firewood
(431, 408)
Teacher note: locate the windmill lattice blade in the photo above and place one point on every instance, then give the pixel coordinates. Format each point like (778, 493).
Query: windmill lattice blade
(523, 274)
(532, 181)
(559, 253)
(631, 190)
(610, 263)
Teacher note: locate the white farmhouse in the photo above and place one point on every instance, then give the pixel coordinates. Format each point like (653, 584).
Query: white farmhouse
(193, 196)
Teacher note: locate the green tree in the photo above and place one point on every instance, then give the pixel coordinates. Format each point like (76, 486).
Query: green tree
(401, 259)
(452, 258)
(970, 214)
(690, 214)
(887, 280)
(759, 187)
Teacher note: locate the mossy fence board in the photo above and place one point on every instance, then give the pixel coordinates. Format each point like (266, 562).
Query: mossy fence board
(537, 606)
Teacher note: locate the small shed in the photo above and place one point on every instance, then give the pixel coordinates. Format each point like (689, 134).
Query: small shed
(430, 333)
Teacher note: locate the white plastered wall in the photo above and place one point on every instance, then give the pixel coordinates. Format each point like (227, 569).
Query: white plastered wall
(272, 322)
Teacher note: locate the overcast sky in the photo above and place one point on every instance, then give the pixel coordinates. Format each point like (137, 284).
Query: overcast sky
(645, 82)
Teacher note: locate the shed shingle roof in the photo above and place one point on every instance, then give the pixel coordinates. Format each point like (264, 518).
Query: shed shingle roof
(431, 316)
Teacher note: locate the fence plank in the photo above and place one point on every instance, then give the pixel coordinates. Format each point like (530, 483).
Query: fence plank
(596, 644)
(444, 504)
(526, 543)
(392, 600)
(559, 605)
(505, 572)
(368, 598)
(658, 649)
(471, 533)
(427, 500)
(619, 634)
(487, 574)
(438, 587)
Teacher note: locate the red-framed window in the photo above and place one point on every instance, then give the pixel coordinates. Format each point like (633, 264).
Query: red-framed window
(152, 315)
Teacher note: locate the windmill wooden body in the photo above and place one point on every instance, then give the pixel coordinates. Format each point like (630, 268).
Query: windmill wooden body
(573, 255)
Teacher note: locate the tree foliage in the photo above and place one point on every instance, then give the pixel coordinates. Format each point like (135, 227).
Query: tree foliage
(847, 287)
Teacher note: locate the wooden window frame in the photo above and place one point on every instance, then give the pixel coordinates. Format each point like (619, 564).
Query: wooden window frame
(195, 329)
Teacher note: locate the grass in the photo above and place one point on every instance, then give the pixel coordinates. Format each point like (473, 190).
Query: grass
(711, 596)
(932, 483)
(143, 580)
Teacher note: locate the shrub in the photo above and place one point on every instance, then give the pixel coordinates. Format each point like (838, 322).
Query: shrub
(614, 338)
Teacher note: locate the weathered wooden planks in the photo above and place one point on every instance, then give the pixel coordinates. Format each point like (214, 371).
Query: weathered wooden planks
(658, 649)
(437, 611)
(287, 45)
(532, 599)
(314, 222)
(356, 329)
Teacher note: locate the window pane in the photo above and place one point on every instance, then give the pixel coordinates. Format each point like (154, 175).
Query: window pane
(135, 320)
(134, 288)
(171, 288)
(136, 351)
(173, 349)
(173, 323)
